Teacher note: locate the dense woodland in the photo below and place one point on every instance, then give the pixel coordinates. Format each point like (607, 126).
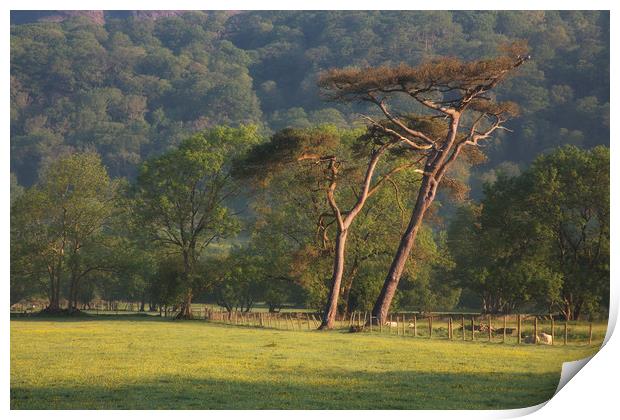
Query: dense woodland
(174, 160)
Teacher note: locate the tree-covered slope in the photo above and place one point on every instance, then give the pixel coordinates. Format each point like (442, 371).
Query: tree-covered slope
(129, 86)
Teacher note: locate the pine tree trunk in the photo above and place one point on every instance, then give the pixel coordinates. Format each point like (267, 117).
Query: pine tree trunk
(434, 171)
(384, 301)
(331, 309)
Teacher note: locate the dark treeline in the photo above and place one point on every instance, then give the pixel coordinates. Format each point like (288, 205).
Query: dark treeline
(193, 158)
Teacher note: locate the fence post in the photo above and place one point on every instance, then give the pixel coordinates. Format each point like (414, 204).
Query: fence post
(535, 329)
(463, 326)
(565, 332)
(519, 329)
(590, 338)
(430, 326)
(552, 330)
(473, 336)
(490, 334)
(505, 322)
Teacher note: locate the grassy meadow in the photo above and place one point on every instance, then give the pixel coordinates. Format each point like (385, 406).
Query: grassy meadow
(133, 362)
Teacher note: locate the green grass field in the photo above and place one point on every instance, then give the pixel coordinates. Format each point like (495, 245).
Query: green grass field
(142, 362)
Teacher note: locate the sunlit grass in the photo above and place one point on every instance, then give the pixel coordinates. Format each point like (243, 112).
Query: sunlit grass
(145, 362)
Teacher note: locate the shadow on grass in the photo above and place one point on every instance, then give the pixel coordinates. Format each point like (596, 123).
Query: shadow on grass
(331, 390)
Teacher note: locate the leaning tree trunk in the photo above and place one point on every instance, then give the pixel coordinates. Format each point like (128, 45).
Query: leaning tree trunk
(384, 301)
(331, 309)
(434, 171)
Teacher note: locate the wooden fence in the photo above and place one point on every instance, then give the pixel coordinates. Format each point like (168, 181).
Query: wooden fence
(513, 328)
(517, 329)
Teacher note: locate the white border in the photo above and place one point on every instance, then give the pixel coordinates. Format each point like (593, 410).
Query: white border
(592, 394)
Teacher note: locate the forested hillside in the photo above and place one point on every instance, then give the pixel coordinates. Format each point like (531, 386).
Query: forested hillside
(130, 86)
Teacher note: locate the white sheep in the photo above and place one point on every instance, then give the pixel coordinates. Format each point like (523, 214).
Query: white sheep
(391, 324)
(544, 338)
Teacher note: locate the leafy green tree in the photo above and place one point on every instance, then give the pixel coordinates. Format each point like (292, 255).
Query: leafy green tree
(425, 284)
(58, 225)
(541, 238)
(167, 287)
(240, 282)
(496, 254)
(182, 197)
(569, 197)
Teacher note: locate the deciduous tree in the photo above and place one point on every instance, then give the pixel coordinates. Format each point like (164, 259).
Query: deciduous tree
(182, 197)
(58, 224)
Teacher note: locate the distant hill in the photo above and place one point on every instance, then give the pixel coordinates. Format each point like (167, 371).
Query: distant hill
(130, 84)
